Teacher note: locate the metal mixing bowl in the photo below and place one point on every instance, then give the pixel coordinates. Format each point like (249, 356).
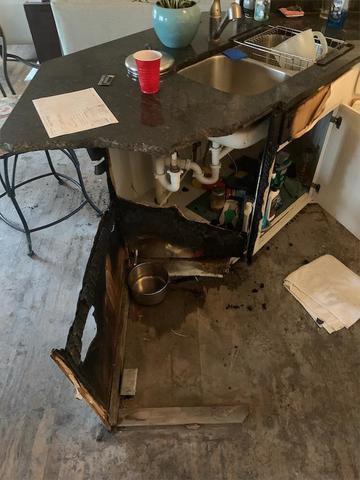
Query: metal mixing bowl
(148, 283)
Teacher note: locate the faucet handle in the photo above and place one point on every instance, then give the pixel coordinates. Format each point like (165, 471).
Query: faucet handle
(215, 10)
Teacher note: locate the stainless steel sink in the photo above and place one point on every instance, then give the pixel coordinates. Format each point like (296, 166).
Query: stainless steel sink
(246, 77)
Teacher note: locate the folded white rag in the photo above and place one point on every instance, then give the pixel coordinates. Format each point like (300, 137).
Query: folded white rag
(328, 290)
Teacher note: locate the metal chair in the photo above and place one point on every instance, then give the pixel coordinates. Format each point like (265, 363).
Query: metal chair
(8, 181)
(5, 57)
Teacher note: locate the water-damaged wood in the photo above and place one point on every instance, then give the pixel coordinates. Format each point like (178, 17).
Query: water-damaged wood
(97, 376)
(168, 224)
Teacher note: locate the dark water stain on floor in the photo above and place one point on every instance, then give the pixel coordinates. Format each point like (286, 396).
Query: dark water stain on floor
(181, 299)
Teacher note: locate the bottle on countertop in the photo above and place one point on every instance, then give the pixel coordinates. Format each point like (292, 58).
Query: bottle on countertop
(338, 13)
(248, 8)
(262, 10)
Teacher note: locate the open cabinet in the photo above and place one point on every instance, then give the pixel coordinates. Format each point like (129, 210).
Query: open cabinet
(321, 165)
(339, 170)
(174, 385)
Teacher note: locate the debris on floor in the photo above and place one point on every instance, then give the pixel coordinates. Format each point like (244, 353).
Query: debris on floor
(128, 382)
(328, 290)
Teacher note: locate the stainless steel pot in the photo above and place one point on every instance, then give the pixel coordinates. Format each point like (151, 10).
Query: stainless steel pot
(148, 283)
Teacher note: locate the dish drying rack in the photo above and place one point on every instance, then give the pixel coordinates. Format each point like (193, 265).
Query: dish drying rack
(263, 46)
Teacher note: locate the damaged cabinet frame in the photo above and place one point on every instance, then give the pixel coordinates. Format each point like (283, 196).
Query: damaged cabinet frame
(97, 376)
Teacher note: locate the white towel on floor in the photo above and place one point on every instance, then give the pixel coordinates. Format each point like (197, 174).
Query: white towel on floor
(328, 290)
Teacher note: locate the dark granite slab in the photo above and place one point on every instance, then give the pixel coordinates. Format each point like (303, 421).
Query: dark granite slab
(181, 113)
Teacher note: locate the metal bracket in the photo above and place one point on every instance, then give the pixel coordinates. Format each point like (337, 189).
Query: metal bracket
(316, 187)
(100, 168)
(336, 121)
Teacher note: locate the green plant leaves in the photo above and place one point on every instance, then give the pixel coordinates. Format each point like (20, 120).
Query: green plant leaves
(175, 3)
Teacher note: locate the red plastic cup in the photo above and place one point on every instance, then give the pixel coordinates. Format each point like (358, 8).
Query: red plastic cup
(148, 66)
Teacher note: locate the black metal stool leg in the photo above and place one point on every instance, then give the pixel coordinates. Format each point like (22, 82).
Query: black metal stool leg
(4, 63)
(10, 187)
(52, 168)
(10, 190)
(75, 161)
(2, 90)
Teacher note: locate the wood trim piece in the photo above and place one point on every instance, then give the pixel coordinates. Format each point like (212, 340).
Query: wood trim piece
(201, 415)
(121, 328)
(81, 389)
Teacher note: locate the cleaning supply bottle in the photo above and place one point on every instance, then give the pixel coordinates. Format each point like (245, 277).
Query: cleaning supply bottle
(247, 215)
(338, 13)
(262, 10)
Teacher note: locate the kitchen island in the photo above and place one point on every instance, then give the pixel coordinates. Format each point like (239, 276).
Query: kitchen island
(186, 112)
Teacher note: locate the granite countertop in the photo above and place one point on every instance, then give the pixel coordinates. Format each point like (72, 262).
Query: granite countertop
(182, 112)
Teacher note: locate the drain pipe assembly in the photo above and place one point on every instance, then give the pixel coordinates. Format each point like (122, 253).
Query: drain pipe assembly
(168, 171)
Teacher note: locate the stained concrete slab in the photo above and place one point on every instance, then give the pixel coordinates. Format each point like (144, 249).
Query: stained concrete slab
(301, 384)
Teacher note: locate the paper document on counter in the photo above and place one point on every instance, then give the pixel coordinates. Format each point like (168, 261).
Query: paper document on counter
(73, 112)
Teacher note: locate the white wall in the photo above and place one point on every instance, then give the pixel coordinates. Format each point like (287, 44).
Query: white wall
(13, 22)
(73, 19)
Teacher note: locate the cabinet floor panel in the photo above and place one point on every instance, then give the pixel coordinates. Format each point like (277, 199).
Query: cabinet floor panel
(184, 355)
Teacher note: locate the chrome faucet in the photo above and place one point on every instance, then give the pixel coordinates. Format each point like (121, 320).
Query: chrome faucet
(218, 25)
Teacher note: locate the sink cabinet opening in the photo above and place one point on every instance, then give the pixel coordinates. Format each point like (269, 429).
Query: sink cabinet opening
(197, 202)
(170, 346)
(238, 181)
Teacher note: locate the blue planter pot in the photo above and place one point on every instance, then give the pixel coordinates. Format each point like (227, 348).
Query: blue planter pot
(176, 27)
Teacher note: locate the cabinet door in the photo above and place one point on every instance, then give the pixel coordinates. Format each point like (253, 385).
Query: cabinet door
(339, 172)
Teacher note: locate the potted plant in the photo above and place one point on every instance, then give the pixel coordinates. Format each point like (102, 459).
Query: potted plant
(176, 22)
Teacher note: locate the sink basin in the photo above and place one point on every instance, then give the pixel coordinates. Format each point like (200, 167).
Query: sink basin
(246, 77)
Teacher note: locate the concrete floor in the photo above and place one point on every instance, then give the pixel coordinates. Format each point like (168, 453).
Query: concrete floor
(301, 384)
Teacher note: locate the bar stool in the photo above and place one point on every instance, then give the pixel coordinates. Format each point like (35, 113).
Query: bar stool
(5, 57)
(8, 181)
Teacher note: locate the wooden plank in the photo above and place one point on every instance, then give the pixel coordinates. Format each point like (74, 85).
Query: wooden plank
(128, 382)
(202, 415)
(121, 327)
(81, 389)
